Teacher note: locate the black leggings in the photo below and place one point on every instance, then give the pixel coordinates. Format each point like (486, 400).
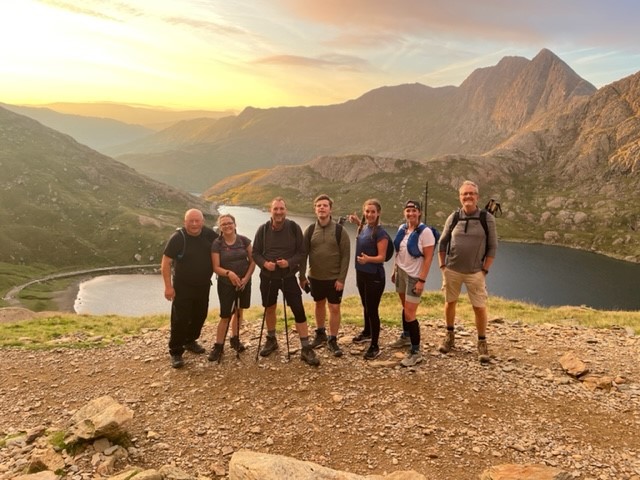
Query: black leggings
(371, 287)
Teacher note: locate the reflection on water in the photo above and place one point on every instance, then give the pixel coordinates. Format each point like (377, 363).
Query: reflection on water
(545, 275)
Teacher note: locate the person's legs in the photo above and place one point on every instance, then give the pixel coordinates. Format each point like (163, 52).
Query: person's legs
(477, 289)
(451, 285)
(375, 289)
(293, 296)
(362, 284)
(321, 313)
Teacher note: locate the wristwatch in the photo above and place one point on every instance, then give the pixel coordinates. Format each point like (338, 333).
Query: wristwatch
(485, 271)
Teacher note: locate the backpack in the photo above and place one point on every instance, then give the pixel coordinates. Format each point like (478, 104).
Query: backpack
(412, 243)
(390, 247)
(309, 233)
(483, 222)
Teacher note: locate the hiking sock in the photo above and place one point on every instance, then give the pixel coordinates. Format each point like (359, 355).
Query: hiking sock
(414, 334)
(481, 337)
(449, 328)
(321, 330)
(405, 326)
(304, 341)
(332, 337)
(271, 333)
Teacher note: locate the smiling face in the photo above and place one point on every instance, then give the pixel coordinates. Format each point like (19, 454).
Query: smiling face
(193, 222)
(278, 212)
(412, 215)
(371, 214)
(469, 197)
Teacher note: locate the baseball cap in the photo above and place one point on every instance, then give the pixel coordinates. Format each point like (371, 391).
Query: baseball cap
(412, 204)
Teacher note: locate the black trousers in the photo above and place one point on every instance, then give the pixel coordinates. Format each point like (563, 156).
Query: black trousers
(188, 312)
(371, 287)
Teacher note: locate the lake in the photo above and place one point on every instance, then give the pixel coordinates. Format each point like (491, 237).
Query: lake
(541, 274)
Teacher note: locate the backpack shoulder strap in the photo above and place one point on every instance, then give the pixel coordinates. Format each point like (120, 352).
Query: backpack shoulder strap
(184, 243)
(338, 233)
(308, 233)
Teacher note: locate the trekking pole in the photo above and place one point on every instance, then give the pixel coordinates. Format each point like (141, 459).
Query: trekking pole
(286, 325)
(264, 316)
(224, 339)
(236, 309)
(426, 199)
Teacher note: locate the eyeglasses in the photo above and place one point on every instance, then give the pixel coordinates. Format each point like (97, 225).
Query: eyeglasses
(467, 194)
(226, 224)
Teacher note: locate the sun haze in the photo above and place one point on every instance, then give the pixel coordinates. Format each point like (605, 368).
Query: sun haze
(228, 55)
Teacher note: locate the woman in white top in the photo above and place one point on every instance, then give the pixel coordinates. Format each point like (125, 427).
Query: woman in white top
(414, 245)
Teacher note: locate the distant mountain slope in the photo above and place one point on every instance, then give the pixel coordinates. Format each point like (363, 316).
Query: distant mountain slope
(541, 203)
(64, 205)
(406, 121)
(155, 118)
(96, 133)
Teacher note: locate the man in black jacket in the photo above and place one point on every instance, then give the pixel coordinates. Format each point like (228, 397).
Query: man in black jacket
(188, 254)
(278, 250)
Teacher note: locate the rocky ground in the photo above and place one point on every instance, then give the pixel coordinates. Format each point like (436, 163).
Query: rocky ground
(448, 418)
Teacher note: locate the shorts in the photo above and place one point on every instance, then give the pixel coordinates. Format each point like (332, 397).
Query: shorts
(227, 296)
(269, 288)
(406, 284)
(325, 289)
(476, 287)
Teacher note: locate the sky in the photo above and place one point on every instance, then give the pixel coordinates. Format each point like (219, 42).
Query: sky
(230, 54)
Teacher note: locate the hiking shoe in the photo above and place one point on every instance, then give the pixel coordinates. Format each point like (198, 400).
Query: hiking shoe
(216, 353)
(320, 339)
(309, 356)
(334, 348)
(177, 361)
(372, 353)
(237, 345)
(401, 342)
(270, 346)
(483, 351)
(361, 338)
(448, 343)
(194, 347)
(411, 359)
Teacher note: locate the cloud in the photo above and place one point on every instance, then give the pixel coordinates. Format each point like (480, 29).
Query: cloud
(205, 25)
(543, 21)
(72, 8)
(346, 62)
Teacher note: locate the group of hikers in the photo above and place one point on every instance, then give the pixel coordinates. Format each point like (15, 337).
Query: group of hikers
(320, 257)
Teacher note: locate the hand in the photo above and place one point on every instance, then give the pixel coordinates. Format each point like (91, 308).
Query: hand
(362, 259)
(339, 286)
(271, 266)
(169, 293)
(282, 263)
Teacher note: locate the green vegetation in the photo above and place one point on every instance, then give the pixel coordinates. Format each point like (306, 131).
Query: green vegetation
(84, 331)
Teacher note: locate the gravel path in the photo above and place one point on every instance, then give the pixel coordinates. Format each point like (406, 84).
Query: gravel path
(449, 418)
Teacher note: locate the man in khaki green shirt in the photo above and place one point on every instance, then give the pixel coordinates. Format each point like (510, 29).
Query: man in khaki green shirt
(328, 256)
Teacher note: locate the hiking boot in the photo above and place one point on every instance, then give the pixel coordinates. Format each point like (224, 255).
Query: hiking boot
(270, 346)
(411, 359)
(483, 351)
(401, 342)
(177, 361)
(237, 345)
(334, 348)
(194, 347)
(372, 353)
(361, 338)
(309, 356)
(216, 353)
(448, 342)
(320, 339)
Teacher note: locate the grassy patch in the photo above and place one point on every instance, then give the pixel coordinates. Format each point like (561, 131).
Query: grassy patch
(84, 331)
